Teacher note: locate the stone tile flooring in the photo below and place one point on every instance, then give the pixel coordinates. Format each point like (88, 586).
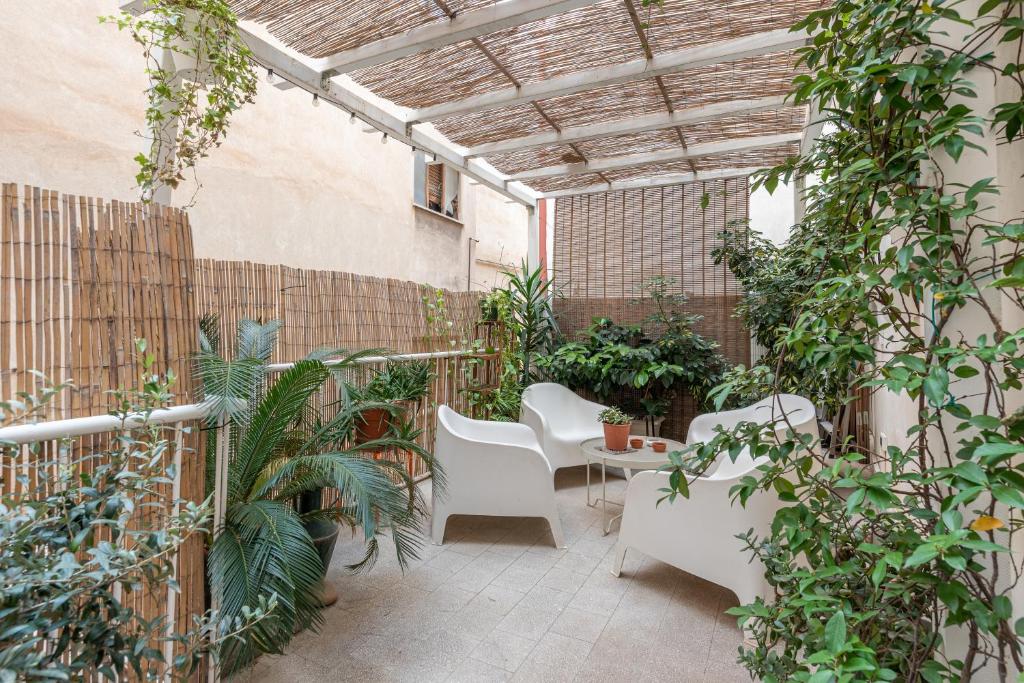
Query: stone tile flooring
(498, 602)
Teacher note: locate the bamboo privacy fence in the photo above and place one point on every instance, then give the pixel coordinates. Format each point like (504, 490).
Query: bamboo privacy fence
(331, 309)
(607, 245)
(80, 278)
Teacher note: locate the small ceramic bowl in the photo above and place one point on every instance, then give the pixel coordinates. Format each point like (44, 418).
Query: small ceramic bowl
(659, 446)
(636, 443)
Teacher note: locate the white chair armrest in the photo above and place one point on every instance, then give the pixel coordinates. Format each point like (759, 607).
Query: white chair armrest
(512, 434)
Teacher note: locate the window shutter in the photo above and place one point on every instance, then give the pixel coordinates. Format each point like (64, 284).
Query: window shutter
(435, 186)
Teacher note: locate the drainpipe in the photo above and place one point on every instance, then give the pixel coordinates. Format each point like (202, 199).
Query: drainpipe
(469, 262)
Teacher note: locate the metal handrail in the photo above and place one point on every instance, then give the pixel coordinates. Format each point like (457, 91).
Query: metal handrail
(100, 424)
(368, 360)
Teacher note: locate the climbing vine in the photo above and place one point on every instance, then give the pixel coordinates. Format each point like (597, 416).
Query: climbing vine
(894, 563)
(200, 73)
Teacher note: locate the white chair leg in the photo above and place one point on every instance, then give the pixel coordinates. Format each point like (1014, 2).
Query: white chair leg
(438, 521)
(556, 530)
(620, 555)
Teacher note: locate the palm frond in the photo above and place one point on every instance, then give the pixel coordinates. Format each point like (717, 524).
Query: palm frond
(256, 340)
(264, 550)
(228, 385)
(269, 422)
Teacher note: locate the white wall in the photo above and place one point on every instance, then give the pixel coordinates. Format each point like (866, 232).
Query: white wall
(292, 184)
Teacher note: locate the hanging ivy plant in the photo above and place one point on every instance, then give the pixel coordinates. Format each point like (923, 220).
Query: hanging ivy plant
(200, 73)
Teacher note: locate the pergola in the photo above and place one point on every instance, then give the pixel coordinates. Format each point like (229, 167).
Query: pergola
(551, 98)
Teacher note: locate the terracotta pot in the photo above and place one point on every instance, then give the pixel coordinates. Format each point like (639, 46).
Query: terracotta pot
(636, 443)
(659, 446)
(616, 436)
(371, 424)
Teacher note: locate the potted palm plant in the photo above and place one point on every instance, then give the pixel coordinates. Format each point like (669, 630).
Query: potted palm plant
(291, 471)
(616, 428)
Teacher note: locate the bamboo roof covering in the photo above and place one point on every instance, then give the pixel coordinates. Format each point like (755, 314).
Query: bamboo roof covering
(606, 90)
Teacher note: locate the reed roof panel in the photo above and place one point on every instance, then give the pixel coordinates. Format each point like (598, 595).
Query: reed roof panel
(568, 182)
(594, 36)
(788, 120)
(760, 158)
(761, 76)
(525, 159)
(322, 27)
(492, 125)
(631, 143)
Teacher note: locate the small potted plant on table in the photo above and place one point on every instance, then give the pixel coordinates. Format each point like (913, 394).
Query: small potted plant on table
(616, 428)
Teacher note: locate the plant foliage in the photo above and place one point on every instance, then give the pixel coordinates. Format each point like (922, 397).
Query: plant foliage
(81, 533)
(895, 565)
(659, 357)
(200, 73)
(281, 448)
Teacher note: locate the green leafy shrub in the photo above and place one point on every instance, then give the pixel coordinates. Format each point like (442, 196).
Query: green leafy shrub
(895, 564)
(399, 381)
(526, 328)
(82, 532)
(659, 358)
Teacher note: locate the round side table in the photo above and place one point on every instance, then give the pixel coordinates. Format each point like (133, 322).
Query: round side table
(632, 459)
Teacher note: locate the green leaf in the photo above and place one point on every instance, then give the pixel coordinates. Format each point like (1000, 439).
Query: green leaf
(835, 632)
(936, 385)
(1008, 496)
(922, 554)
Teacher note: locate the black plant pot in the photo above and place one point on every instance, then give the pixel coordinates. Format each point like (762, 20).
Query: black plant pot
(325, 536)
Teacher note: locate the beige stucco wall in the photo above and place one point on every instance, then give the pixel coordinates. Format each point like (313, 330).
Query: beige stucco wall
(292, 184)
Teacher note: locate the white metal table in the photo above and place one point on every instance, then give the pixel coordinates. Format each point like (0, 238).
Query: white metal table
(632, 459)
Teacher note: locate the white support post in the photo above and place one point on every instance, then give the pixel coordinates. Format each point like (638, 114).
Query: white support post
(163, 194)
(533, 236)
(172, 592)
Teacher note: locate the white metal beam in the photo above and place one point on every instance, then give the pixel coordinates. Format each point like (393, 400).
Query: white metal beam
(463, 26)
(670, 62)
(659, 181)
(636, 124)
(663, 156)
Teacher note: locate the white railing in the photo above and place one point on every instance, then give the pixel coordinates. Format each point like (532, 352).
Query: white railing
(370, 360)
(54, 430)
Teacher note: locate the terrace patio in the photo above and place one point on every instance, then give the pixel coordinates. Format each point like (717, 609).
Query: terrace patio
(497, 247)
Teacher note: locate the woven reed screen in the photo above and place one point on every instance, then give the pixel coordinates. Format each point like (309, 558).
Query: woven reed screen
(80, 278)
(606, 246)
(323, 308)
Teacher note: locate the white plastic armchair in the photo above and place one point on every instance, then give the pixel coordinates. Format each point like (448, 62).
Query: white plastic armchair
(698, 534)
(561, 420)
(491, 468)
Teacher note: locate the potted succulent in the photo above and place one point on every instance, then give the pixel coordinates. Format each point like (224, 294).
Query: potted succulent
(398, 382)
(616, 428)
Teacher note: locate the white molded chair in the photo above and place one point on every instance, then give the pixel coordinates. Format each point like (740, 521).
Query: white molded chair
(698, 534)
(491, 468)
(561, 420)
